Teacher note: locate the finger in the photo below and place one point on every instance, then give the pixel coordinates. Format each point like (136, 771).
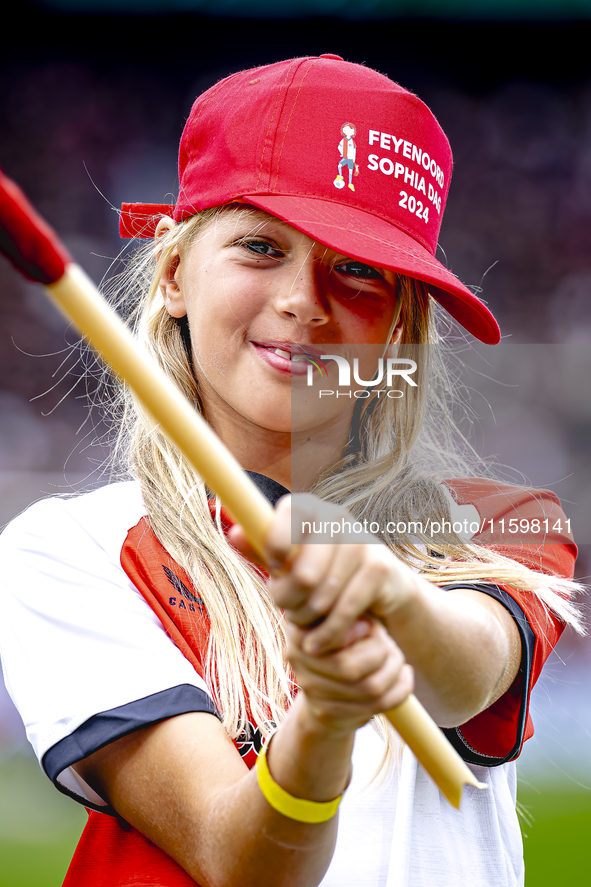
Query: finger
(237, 537)
(279, 546)
(315, 580)
(293, 588)
(316, 520)
(354, 663)
(399, 691)
(360, 629)
(297, 521)
(331, 577)
(355, 713)
(387, 682)
(316, 575)
(365, 586)
(351, 703)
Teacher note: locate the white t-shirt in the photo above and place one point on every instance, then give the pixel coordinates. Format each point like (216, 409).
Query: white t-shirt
(87, 660)
(347, 149)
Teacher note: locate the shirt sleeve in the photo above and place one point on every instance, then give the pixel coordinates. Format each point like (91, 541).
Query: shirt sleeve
(497, 734)
(85, 658)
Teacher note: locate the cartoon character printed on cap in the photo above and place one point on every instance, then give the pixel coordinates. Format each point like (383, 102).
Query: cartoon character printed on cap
(348, 152)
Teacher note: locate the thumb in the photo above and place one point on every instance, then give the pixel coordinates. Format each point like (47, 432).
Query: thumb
(238, 538)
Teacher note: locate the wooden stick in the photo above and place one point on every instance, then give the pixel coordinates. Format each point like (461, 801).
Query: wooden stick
(432, 749)
(77, 296)
(35, 249)
(79, 299)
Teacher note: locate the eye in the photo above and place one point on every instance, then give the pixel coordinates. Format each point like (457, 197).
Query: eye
(359, 270)
(261, 248)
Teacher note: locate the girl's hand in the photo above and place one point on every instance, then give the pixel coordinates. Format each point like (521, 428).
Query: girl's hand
(349, 668)
(327, 585)
(464, 645)
(345, 688)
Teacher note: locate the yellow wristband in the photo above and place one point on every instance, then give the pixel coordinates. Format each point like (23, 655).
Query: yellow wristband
(283, 802)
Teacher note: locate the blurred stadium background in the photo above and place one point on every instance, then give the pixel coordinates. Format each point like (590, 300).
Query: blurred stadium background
(92, 101)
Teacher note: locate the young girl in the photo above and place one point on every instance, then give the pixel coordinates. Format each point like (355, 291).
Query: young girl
(145, 648)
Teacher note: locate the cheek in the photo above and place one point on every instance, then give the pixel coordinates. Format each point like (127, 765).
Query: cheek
(366, 322)
(216, 359)
(219, 328)
(220, 317)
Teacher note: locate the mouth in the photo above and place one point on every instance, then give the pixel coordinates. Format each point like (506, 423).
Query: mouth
(287, 357)
(282, 353)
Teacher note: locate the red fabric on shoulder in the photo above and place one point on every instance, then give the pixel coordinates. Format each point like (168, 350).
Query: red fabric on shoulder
(172, 597)
(494, 732)
(552, 552)
(168, 591)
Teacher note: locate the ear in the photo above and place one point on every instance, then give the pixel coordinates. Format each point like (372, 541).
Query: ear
(398, 328)
(170, 289)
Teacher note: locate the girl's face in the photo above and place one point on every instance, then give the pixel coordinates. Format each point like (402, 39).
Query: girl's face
(256, 294)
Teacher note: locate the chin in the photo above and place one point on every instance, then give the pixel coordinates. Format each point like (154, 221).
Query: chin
(271, 420)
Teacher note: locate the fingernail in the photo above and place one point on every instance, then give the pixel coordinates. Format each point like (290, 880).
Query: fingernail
(311, 646)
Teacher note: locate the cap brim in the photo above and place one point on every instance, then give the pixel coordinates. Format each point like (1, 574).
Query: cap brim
(370, 239)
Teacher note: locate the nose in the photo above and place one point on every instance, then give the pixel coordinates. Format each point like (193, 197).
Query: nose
(302, 296)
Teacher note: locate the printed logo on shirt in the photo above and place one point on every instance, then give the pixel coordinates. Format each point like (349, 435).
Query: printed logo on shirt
(252, 738)
(184, 592)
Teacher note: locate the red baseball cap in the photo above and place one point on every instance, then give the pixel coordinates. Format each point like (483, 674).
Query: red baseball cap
(336, 150)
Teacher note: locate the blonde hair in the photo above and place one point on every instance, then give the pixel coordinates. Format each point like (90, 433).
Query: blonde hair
(401, 452)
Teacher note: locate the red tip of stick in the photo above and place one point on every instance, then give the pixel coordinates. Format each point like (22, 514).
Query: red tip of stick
(26, 239)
